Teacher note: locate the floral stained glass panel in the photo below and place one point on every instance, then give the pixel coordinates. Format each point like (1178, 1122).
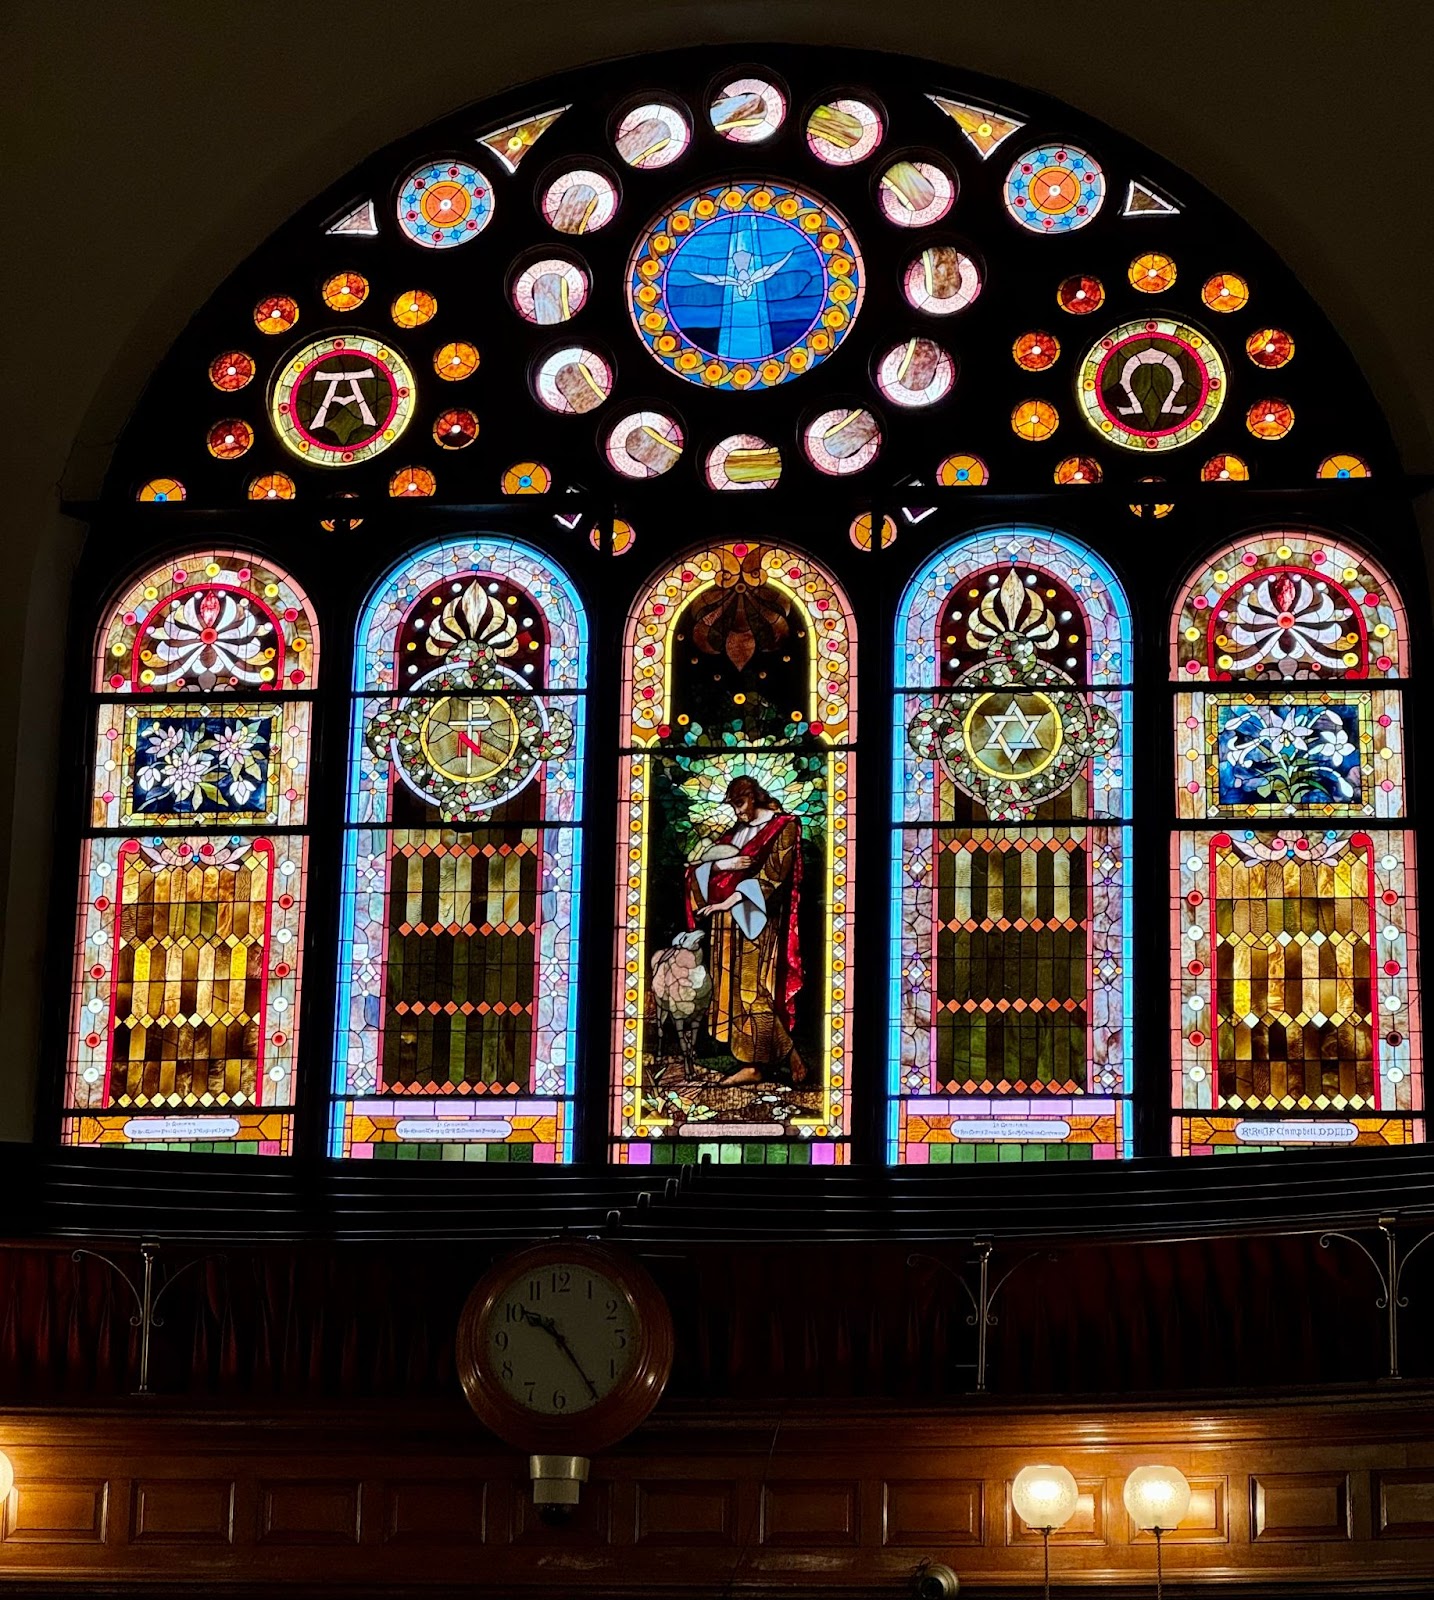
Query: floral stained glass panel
(1294, 934)
(458, 965)
(732, 1000)
(1010, 957)
(193, 877)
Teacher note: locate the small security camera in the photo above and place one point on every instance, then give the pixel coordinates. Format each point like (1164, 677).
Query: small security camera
(934, 1580)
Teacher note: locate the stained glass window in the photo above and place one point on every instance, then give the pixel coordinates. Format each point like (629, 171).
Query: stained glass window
(734, 898)
(1295, 1016)
(457, 1011)
(185, 1017)
(1010, 987)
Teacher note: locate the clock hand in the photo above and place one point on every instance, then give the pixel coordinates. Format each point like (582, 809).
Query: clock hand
(550, 1327)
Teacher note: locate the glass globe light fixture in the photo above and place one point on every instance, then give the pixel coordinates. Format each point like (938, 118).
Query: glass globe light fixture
(1157, 1498)
(1045, 1498)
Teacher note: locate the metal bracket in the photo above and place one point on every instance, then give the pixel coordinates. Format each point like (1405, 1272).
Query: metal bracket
(146, 1297)
(983, 1297)
(1390, 1274)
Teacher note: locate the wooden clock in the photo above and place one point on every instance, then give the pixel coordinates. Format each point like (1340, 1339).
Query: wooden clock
(562, 1350)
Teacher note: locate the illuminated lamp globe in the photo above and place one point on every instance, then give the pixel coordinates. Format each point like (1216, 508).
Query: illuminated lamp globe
(1044, 1497)
(1157, 1497)
(7, 1476)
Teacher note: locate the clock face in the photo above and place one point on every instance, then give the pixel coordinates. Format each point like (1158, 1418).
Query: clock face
(559, 1338)
(470, 737)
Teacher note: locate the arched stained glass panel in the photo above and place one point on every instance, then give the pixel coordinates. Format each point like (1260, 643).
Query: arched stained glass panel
(1010, 956)
(734, 904)
(187, 968)
(457, 1011)
(1295, 991)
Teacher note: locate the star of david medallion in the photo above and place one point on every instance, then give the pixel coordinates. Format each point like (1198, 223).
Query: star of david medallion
(342, 400)
(745, 286)
(1013, 735)
(471, 735)
(1013, 731)
(1152, 385)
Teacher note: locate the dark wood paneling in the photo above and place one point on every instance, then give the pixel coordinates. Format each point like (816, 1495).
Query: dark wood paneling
(296, 1512)
(691, 1513)
(1404, 1503)
(434, 1511)
(1299, 1505)
(58, 1511)
(1087, 1526)
(182, 1511)
(932, 1511)
(812, 1512)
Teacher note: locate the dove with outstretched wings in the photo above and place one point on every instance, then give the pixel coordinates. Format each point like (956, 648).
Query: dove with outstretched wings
(743, 276)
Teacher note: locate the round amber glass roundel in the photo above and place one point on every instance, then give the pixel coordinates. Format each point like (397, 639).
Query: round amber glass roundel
(1270, 348)
(962, 471)
(342, 400)
(1344, 466)
(942, 279)
(444, 203)
(230, 370)
(456, 360)
(581, 201)
(1226, 291)
(345, 291)
(1035, 420)
(455, 430)
(1161, 508)
(413, 308)
(841, 132)
(160, 491)
(652, 135)
(914, 194)
(1270, 419)
(1152, 274)
(1078, 469)
(748, 110)
(1054, 189)
(550, 291)
(277, 314)
(1224, 469)
(272, 486)
(229, 439)
(527, 477)
(842, 441)
(745, 286)
(1152, 385)
(860, 531)
(1034, 352)
(412, 483)
(1081, 295)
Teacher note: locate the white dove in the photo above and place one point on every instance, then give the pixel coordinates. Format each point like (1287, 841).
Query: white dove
(741, 275)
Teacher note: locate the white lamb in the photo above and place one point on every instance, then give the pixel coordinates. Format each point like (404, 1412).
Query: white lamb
(682, 990)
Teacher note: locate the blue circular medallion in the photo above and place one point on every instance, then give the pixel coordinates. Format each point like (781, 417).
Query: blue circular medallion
(745, 286)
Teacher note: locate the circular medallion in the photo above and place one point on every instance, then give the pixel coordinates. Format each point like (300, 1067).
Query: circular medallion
(469, 738)
(942, 279)
(444, 203)
(745, 286)
(652, 135)
(914, 194)
(342, 400)
(550, 291)
(841, 132)
(842, 441)
(748, 110)
(644, 444)
(1012, 734)
(1152, 385)
(581, 201)
(573, 380)
(917, 372)
(1054, 188)
(743, 461)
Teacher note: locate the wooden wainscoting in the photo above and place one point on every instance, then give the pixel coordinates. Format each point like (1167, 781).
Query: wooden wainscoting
(1297, 1497)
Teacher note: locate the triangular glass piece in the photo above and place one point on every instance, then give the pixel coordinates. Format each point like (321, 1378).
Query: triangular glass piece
(915, 514)
(512, 143)
(984, 128)
(1143, 201)
(363, 220)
